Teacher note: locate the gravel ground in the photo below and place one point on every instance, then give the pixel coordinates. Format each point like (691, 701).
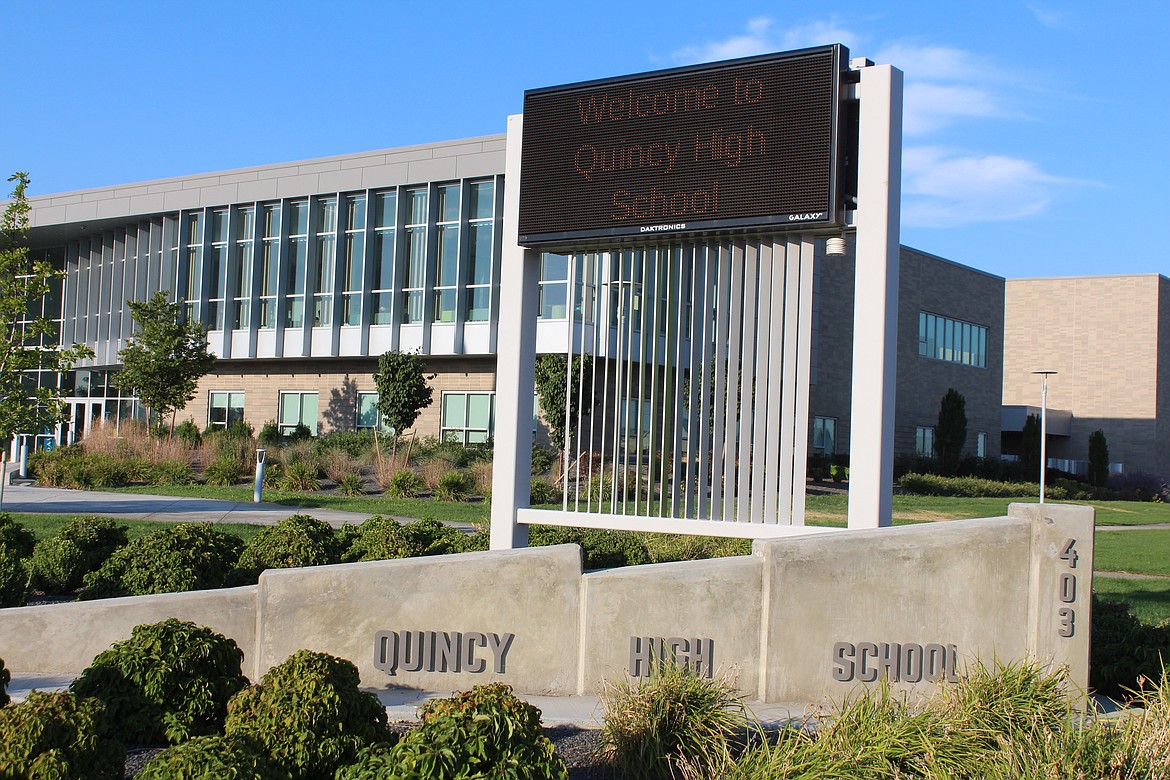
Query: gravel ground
(578, 747)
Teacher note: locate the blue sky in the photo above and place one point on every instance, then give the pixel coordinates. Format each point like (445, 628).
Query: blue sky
(1036, 131)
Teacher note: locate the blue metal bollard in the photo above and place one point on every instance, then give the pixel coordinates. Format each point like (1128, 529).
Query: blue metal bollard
(258, 491)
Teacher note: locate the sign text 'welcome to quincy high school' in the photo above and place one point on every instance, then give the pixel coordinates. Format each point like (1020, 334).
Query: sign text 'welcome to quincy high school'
(742, 144)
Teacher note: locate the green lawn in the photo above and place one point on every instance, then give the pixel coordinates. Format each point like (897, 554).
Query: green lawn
(1149, 599)
(1145, 551)
(46, 525)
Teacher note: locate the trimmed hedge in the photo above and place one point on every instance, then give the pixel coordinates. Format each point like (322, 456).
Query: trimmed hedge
(58, 736)
(974, 487)
(211, 758)
(59, 564)
(299, 540)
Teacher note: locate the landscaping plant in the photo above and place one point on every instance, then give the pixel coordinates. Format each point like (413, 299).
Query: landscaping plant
(194, 556)
(485, 732)
(168, 682)
(58, 736)
(299, 540)
(308, 715)
(13, 578)
(5, 678)
(674, 724)
(59, 563)
(212, 758)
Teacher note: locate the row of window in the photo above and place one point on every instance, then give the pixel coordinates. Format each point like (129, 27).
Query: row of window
(924, 442)
(955, 341)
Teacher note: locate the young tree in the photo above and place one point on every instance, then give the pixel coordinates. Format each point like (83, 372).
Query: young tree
(402, 390)
(1098, 458)
(1030, 447)
(28, 341)
(951, 431)
(550, 389)
(166, 357)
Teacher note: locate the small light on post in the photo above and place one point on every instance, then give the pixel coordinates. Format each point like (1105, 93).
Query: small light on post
(835, 247)
(1044, 374)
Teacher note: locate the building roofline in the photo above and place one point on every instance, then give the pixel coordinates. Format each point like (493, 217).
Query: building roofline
(948, 261)
(1087, 276)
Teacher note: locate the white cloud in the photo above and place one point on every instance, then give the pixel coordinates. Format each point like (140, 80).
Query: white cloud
(930, 107)
(942, 187)
(761, 37)
(1053, 20)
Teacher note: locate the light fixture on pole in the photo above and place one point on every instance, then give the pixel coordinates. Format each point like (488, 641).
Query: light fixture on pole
(1044, 374)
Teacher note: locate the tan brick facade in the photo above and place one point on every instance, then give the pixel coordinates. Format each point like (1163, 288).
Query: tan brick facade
(1107, 337)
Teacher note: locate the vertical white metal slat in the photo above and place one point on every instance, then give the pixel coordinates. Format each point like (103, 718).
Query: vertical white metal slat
(567, 455)
(791, 347)
(720, 352)
(618, 379)
(732, 377)
(651, 302)
(803, 365)
(775, 371)
(763, 376)
(681, 410)
(747, 382)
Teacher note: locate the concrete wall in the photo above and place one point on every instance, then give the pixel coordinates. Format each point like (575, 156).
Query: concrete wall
(799, 620)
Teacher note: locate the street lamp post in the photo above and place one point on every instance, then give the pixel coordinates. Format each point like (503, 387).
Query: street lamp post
(1044, 374)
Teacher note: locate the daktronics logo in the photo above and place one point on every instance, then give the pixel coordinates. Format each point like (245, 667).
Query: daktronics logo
(661, 228)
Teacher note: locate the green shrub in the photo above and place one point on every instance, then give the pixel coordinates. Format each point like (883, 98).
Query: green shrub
(356, 444)
(1123, 649)
(673, 724)
(543, 460)
(299, 540)
(273, 474)
(485, 732)
(171, 472)
(13, 578)
(541, 492)
(384, 538)
(5, 678)
(269, 434)
(405, 484)
(59, 564)
(974, 487)
(189, 433)
(352, 484)
(308, 715)
(168, 682)
(601, 549)
(211, 758)
(184, 557)
(16, 537)
(301, 432)
(224, 470)
(300, 475)
(58, 736)
(453, 486)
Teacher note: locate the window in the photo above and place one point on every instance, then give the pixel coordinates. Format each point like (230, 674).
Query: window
(981, 444)
(367, 416)
(554, 284)
(416, 256)
(588, 268)
(924, 442)
(385, 211)
(298, 253)
(242, 290)
(225, 408)
(447, 272)
(353, 260)
(824, 435)
(194, 265)
(467, 417)
(326, 234)
(480, 242)
(298, 408)
(942, 338)
(217, 268)
(269, 267)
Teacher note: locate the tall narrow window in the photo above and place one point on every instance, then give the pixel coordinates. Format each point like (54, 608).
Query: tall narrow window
(298, 253)
(194, 264)
(924, 442)
(242, 292)
(270, 261)
(447, 272)
(824, 435)
(554, 283)
(981, 444)
(385, 211)
(481, 224)
(217, 268)
(355, 244)
(416, 256)
(326, 230)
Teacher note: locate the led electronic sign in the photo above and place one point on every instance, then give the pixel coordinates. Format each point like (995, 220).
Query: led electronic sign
(746, 144)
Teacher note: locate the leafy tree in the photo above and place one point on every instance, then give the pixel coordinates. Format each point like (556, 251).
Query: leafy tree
(28, 342)
(403, 391)
(1098, 458)
(550, 389)
(951, 431)
(1030, 447)
(165, 359)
